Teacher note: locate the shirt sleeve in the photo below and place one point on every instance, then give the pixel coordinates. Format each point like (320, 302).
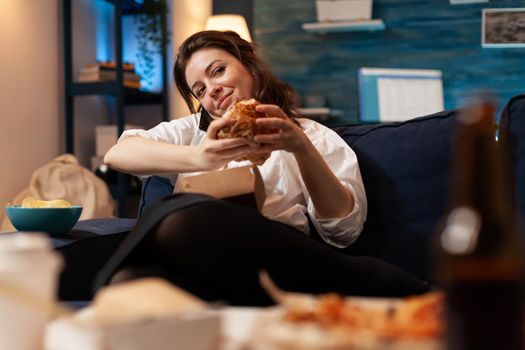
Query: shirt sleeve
(178, 132)
(340, 232)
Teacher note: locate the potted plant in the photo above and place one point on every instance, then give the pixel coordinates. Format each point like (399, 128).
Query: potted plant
(152, 35)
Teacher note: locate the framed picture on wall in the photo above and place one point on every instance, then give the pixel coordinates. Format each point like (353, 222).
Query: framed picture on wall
(398, 94)
(504, 27)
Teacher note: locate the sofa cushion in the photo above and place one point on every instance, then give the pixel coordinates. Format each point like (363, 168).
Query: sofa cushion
(153, 189)
(405, 170)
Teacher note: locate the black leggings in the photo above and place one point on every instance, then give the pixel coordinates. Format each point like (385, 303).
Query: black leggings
(216, 249)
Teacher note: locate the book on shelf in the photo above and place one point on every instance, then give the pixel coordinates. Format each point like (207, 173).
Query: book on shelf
(109, 65)
(106, 71)
(105, 75)
(108, 68)
(131, 84)
(126, 83)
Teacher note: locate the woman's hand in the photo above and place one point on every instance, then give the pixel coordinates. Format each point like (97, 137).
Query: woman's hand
(214, 153)
(288, 136)
(331, 199)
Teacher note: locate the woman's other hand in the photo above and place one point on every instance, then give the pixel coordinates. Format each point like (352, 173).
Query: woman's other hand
(330, 198)
(288, 136)
(214, 153)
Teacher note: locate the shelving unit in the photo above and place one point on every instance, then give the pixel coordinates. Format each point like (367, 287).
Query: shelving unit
(124, 96)
(319, 113)
(344, 26)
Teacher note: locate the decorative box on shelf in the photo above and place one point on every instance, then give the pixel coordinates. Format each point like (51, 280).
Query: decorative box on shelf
(343, 10)
(343, 16)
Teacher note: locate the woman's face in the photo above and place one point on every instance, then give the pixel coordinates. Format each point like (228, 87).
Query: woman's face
(218, 80)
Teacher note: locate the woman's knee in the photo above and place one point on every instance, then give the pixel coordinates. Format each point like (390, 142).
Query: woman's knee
(131, 273)
(198, 223)
(172, 228)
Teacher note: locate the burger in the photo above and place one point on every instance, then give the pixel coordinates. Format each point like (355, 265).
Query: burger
(244, 114)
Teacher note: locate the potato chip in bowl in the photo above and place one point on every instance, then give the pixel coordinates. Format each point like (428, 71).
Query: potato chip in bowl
(30, 202)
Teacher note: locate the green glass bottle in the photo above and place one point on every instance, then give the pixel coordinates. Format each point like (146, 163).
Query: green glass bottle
(480, 258)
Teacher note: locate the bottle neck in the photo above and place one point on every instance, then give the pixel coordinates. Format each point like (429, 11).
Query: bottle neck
(480, 178)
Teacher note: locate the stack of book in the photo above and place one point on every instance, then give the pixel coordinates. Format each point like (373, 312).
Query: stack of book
(106, 71)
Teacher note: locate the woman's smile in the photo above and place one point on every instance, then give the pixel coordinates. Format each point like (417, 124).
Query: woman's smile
(225, 102)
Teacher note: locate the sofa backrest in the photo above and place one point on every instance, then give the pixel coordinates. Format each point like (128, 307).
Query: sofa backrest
(405, 170)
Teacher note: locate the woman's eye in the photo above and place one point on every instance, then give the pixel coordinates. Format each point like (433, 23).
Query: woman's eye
(218, 70)
(199, 92)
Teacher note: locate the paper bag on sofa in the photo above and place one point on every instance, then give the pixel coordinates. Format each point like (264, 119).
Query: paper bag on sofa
(243, 185)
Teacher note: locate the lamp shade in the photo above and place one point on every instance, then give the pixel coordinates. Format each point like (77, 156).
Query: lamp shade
(236, 23)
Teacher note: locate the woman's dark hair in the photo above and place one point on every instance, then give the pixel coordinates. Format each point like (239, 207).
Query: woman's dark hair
(268, 88)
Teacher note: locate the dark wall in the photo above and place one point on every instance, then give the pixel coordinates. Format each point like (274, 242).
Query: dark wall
(424, 34)
(238, 7)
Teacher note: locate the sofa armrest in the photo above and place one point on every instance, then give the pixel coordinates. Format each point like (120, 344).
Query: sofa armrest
(153, 189)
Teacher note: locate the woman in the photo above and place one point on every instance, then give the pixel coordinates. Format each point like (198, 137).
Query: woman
(312, 175)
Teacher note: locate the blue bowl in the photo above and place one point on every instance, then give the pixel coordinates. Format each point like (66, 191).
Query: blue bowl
(55, 221)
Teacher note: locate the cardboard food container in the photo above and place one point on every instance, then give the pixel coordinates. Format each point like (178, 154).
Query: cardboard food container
(242, 185)
(192, 331)
(142, 314)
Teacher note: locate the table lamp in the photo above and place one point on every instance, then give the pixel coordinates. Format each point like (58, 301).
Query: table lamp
(236, 23)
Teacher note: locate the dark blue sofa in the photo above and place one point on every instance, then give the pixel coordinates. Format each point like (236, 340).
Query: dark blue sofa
(405, 169)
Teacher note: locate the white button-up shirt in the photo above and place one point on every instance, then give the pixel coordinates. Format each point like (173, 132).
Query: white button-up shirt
(287, 198)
